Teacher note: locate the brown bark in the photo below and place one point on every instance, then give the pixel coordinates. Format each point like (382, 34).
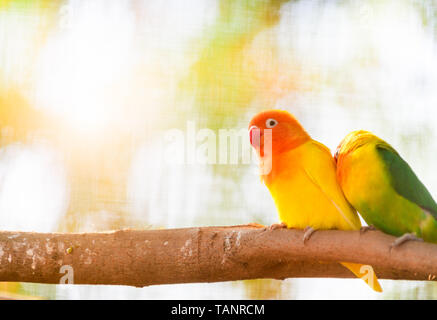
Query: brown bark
(207, 254)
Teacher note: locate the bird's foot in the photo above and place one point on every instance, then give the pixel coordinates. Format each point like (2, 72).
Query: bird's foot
(277, 226)
(404, 238)
(364, 229)
(308, 232)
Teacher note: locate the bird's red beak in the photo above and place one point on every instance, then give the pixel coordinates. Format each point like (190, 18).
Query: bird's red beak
(255, 136)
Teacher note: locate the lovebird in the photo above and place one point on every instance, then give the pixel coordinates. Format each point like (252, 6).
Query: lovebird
(300, 174)
(384, 189)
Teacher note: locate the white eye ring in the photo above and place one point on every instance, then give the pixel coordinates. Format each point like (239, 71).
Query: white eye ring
(270, 123)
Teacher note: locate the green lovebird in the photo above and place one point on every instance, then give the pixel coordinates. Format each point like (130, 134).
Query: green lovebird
(384, 189)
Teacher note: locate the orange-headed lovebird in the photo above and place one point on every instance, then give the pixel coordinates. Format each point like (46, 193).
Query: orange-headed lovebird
(301, 177)
(384, 189)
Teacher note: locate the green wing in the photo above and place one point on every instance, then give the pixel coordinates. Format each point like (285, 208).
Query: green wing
(405, 181)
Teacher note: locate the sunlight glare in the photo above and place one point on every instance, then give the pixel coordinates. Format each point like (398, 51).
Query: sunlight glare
(33, 189)
(82, 64)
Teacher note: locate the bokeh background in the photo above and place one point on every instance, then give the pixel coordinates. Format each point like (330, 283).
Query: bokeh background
(90, 89)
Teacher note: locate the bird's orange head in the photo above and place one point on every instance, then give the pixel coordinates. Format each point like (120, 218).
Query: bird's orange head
(285, 131)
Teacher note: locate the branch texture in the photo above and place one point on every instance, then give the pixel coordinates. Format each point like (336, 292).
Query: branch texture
(206, 254)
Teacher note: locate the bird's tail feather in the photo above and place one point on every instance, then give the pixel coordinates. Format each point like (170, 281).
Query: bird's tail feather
(364, 272)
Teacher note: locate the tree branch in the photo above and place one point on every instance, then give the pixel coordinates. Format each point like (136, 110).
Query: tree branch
(207, 254)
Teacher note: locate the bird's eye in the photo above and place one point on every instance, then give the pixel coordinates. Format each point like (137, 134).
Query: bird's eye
(270, 123)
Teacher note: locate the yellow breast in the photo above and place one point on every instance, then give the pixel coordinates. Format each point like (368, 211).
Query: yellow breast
(305, 190)
(365, 176)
